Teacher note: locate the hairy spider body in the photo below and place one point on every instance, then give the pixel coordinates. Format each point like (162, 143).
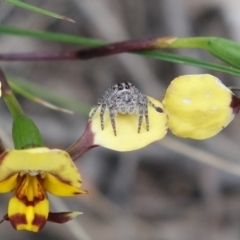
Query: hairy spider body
(123, 98)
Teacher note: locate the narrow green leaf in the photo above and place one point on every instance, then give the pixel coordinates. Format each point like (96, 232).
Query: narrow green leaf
(190, 61)
(38, 10)
(222, 48)
(57, 37)
(43, 93)
(22, 91)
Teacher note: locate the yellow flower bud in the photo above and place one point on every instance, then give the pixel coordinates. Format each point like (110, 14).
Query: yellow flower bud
(198, 106)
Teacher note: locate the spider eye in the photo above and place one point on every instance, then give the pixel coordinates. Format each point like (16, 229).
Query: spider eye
(127, 86)
(120, 86)
(114, 86)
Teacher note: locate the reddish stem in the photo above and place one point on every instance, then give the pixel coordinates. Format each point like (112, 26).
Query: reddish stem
(83, 144)
(110, 49)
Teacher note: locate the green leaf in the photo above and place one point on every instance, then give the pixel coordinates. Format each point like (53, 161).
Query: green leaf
(38, 10)
(48, 95)
(222, 48)
(22, 91)
(169, 57)
(57, 37)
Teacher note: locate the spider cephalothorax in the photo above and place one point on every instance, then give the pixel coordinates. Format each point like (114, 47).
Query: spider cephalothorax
(124, 98)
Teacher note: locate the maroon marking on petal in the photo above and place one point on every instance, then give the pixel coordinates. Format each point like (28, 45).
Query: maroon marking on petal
(76, 193)
(18, 219)
(235, 104)
(88, 136)
(60, 217)
(61, 180)
(28, 203)
(39, 221)
(21, 194)
(66, 154)
(3, 155)
(82, 192)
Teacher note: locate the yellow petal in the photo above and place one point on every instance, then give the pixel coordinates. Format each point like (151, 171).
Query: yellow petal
(28, 208)
(54, 161)
(55, 185)
(31, 218)
(198, 106)
(8, 184)
(128, 138)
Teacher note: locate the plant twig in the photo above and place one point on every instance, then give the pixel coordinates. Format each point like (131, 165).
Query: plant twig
(84, 54)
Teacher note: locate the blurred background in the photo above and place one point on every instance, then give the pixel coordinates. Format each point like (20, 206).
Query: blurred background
(174, 189)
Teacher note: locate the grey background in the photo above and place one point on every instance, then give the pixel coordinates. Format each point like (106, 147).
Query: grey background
(166, 191)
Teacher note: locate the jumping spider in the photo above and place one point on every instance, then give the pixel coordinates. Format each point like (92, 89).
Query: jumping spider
(124, 98)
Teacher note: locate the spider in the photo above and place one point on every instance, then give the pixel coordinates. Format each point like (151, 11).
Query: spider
(124, 98)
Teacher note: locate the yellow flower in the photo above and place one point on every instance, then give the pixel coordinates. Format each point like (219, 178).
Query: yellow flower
(29, 174)
(199, 106)
(128, 138)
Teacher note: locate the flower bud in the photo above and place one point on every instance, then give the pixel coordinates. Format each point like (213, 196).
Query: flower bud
(25, 133)
(224, 49)
(198, 106)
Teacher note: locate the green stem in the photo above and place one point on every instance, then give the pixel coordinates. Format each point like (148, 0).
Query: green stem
(192, 42)
(24, 131)
(226, 50)
(13, 105)
(9, 97)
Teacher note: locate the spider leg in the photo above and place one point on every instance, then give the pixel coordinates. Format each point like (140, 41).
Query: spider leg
(140, 119)
(103, 108)
(112, 118)
(146, 116)
(95, 108)
(158, 109)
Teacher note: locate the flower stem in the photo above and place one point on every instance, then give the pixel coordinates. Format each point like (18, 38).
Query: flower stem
(83, 144)
(24, 131)
(88, 53)
(9, 97)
